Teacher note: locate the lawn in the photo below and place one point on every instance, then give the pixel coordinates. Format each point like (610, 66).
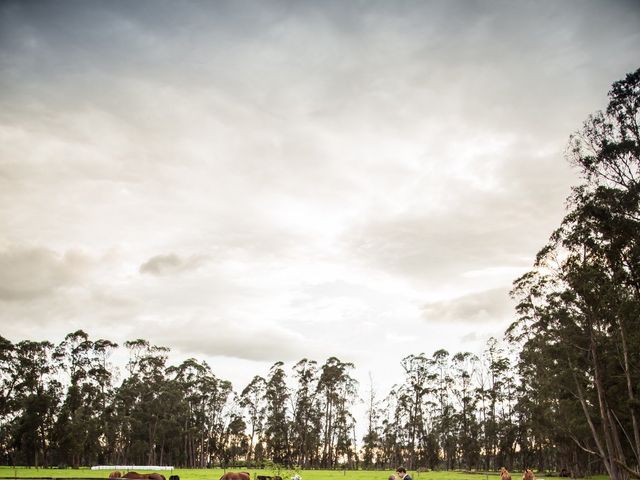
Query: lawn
(216, 473)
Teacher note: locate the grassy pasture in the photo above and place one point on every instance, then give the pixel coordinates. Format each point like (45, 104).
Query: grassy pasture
(216, 473)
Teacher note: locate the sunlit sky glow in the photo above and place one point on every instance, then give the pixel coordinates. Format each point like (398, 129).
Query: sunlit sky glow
(247, 182)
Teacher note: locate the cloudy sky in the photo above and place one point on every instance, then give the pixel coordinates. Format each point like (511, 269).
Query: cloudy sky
(247, 182)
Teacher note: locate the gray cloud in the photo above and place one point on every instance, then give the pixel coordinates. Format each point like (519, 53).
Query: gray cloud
(171, 263)
(341, 162)
(489, 306)
(29, 273)
(470, 337)
(439, 248)
(496, 210)
(235, 338)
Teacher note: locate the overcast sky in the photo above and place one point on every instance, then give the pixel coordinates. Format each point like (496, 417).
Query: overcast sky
(247, 182)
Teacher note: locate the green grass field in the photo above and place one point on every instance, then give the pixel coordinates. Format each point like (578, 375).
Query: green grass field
(216, 473)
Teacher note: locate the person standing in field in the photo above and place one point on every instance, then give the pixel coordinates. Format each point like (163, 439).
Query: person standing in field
(402, 473)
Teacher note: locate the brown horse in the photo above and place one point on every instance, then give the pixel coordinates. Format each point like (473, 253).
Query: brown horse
(146, 476)
(115, 474)
(236, 476)
(504, 474)
(528, 475)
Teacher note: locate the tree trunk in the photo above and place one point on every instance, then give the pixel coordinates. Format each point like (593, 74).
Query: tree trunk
(612, 451)
(594, 432)
(630, 393)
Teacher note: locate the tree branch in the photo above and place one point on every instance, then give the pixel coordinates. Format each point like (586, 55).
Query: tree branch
(628, 469)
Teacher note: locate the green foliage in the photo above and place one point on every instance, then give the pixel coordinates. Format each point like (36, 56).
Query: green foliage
(579, 309)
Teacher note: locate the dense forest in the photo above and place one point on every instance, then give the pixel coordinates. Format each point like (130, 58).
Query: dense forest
(560, 391)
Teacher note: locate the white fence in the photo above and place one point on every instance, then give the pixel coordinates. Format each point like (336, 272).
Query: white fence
(132, 467)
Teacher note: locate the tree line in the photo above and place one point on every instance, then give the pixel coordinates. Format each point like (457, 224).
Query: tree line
(61, 405)
(560, 391)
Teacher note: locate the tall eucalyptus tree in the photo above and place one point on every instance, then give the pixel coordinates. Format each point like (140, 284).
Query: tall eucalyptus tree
(277, 419)
(306, 414)
(372, 439)
(253, 401)
(583, 295)
(37, 394)
(465, 368)
(418, 384)
(337, 390)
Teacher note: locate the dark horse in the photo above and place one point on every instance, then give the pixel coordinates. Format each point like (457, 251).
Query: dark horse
(148, 476)
(236, 476)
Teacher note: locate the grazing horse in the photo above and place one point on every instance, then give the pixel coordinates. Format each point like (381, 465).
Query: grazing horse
(115, 474)
(528, 475)
(133, 475)
(155, 476)
(146, 476)
(504, 474)
(236, 476)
